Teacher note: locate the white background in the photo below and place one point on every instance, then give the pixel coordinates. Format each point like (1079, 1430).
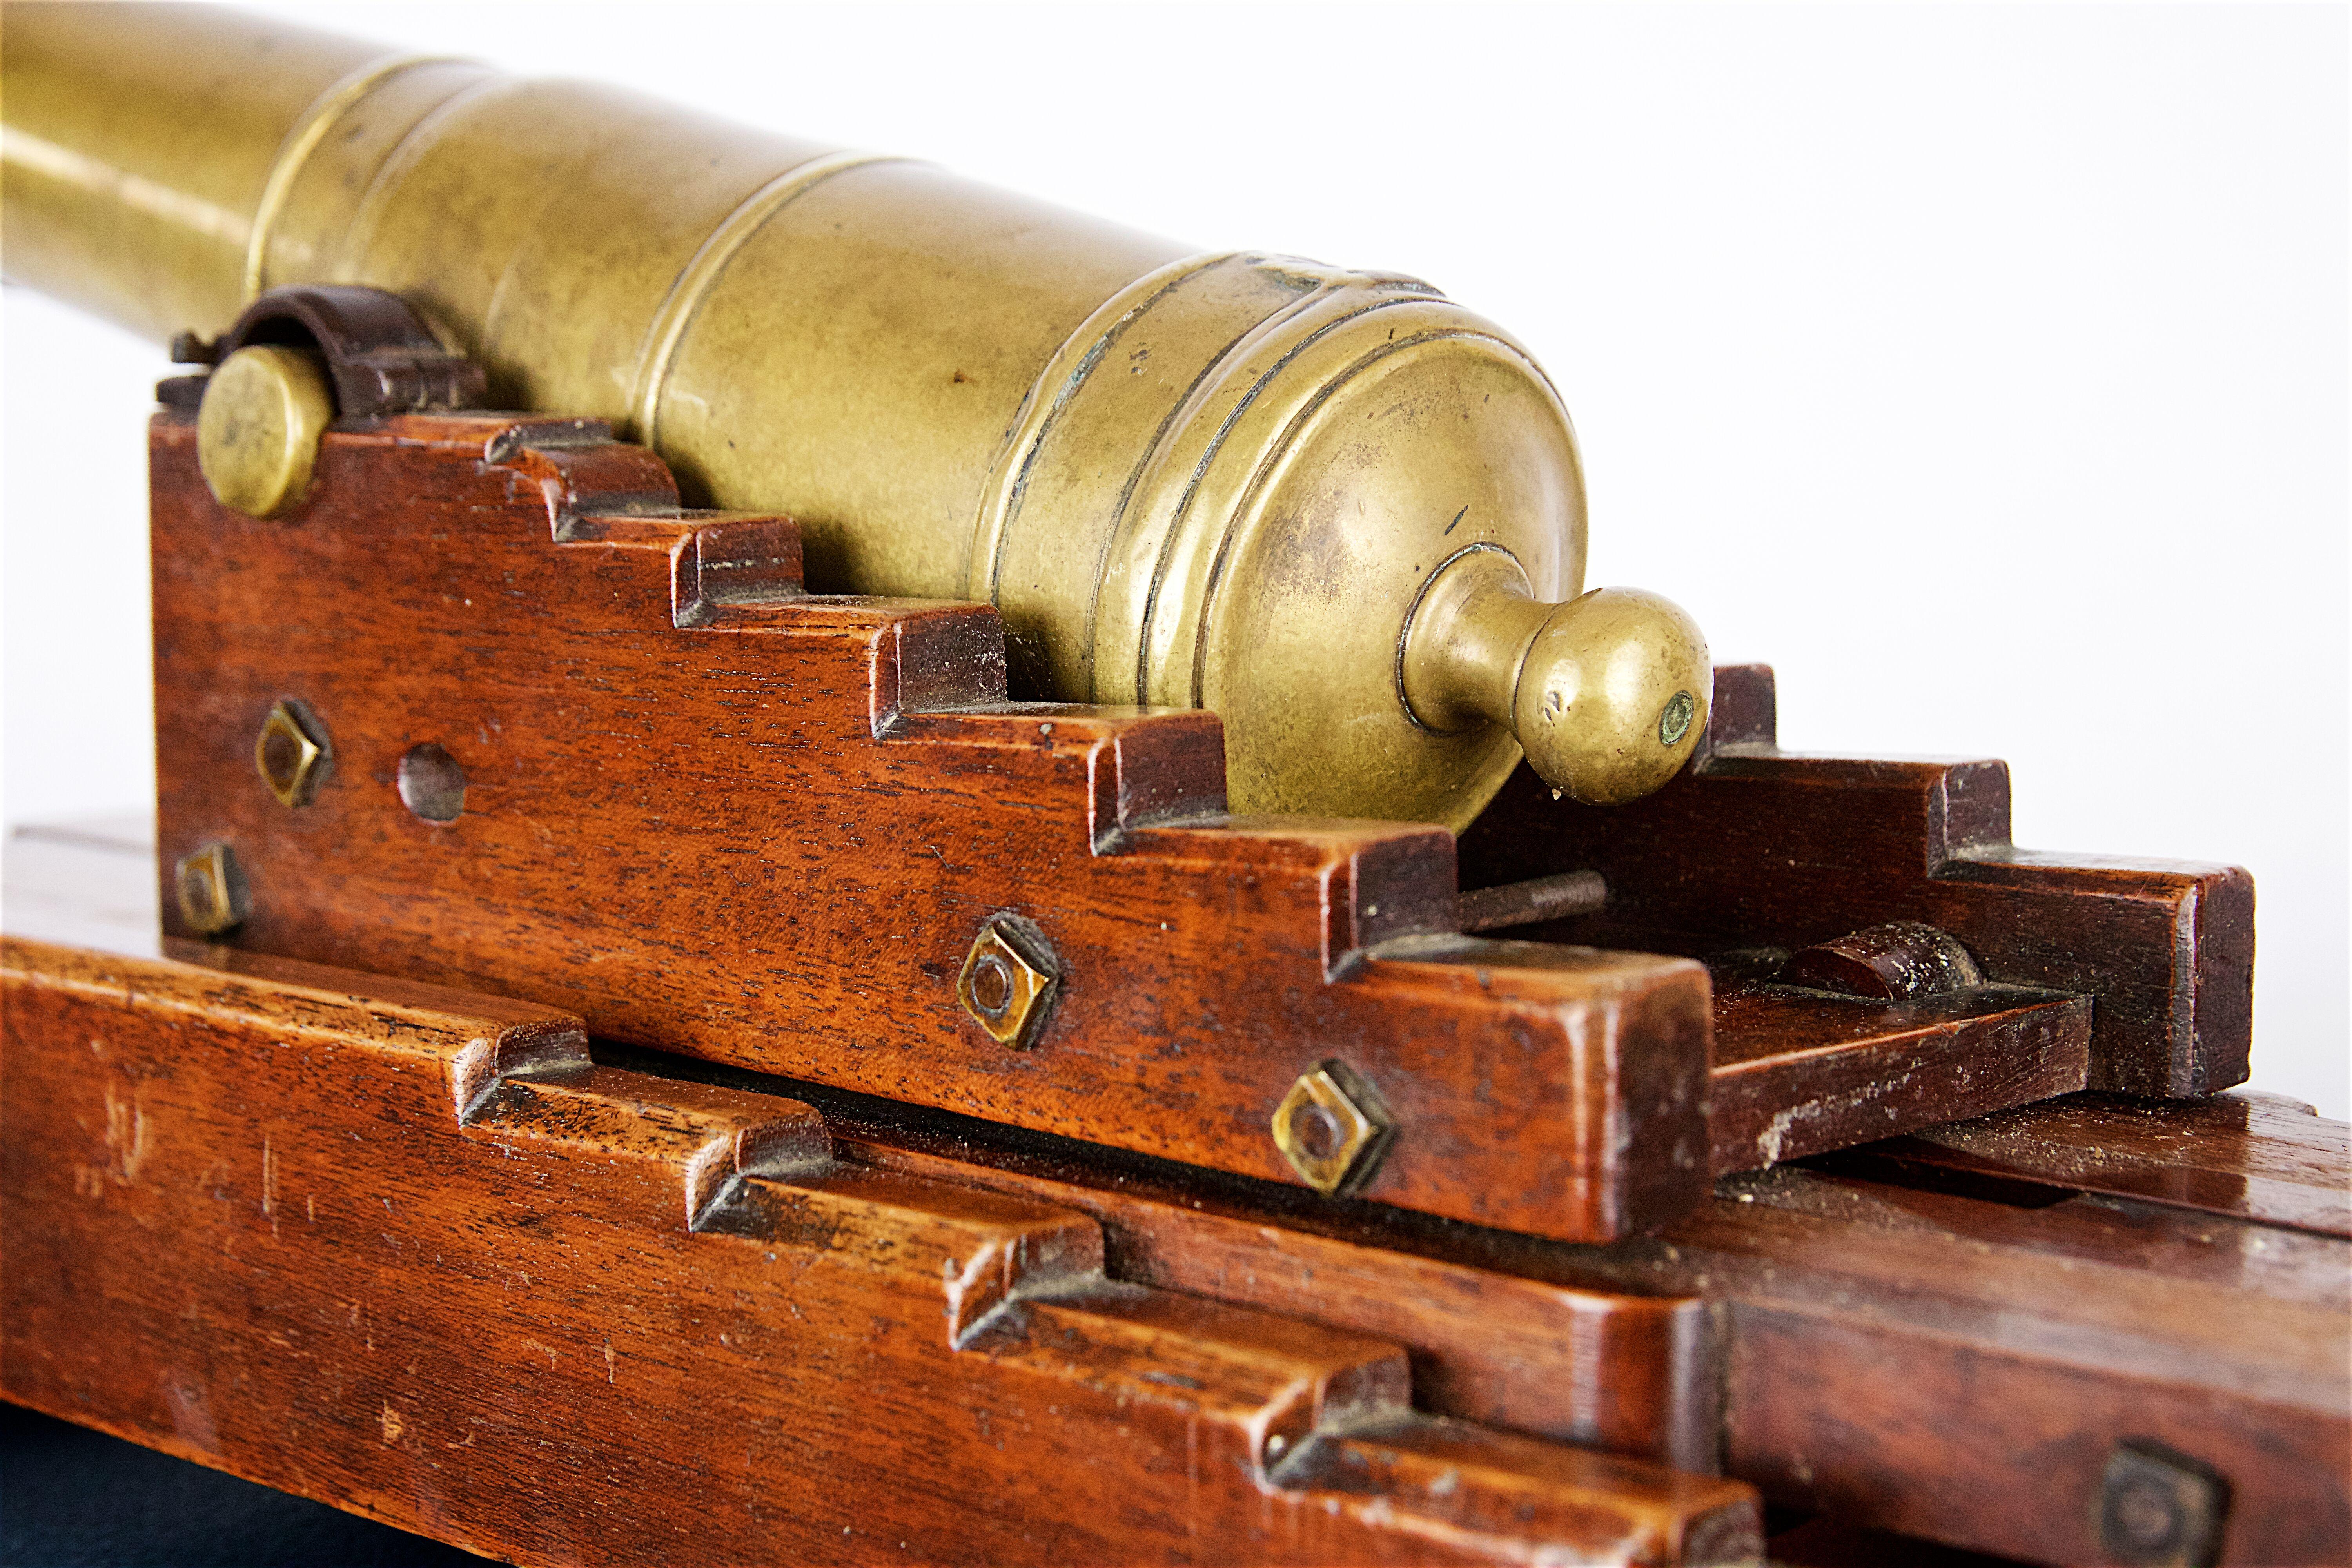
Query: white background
(1982, 368)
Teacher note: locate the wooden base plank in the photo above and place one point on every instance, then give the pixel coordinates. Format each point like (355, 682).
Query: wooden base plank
(2220, 1336)
(2246, 1155)
(413, 1252)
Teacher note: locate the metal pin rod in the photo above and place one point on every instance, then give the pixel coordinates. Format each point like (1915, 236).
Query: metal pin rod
(1539, 898)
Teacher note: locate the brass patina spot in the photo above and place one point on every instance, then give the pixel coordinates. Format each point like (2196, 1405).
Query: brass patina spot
(1675, 723)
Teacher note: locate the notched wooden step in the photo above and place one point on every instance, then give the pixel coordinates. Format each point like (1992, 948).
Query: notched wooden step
(1272, 1382)
(1144, 767)
(714, 814)
(1472, 1490)
(471, 1042)
(1629, 1372)
(597, 490)
(708, 1141)
(979, 1250)
(298, 1266)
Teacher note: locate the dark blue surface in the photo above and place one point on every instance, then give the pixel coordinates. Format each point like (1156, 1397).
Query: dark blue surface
(71, 1498)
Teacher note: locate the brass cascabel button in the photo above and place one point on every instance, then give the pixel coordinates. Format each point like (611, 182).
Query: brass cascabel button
(257, 432)
(1009, 980)
(291, 752)
(211, 890)
(1332, 1129)
(1607, 680)
(1606, 693)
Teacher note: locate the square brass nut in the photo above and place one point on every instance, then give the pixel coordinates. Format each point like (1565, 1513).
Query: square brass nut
(1333, 1129)
(211, 887)
(291, 752)
(1009, 981)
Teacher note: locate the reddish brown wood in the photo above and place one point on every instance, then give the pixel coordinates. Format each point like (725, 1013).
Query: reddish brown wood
(1951, 1353)
(409, 1251)
(2098, 1321)
(717, 816)
(1957, 1361)
(1635, 1373)
(2255, 1156)
(1798, 1073)
(1755, 847)
(1963, 1367)
(1902, 961)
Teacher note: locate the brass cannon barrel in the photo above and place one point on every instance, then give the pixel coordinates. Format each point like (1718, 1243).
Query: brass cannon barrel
(1331, 505)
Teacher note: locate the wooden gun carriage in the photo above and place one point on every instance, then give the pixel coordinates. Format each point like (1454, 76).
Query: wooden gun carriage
(644, 1059)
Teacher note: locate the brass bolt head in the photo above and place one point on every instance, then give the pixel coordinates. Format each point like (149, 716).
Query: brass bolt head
(2161, 1508)
(291, 754)
(265, 408)
(1008, 981)
(212, 889)
(1332, 1129)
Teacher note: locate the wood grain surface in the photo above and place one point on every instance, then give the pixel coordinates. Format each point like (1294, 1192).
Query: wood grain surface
(1947, 1352)
(715, 815)
(2246, 1155)
(796, 1261)
(1918, 1351)
(1798, 1073)
(711, 815)
(1754, 848)
(412, 1252)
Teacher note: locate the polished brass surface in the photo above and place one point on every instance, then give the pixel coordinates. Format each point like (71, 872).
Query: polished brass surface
(1007, 983)
(1222, 480)
(265, 410)
(210, 889)
(1331, 1129)
(290, 754)
(1607, 693)
(140, 141)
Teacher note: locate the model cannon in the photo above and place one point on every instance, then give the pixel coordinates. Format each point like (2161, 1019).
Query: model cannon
(786, 785)
(1333, 506)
